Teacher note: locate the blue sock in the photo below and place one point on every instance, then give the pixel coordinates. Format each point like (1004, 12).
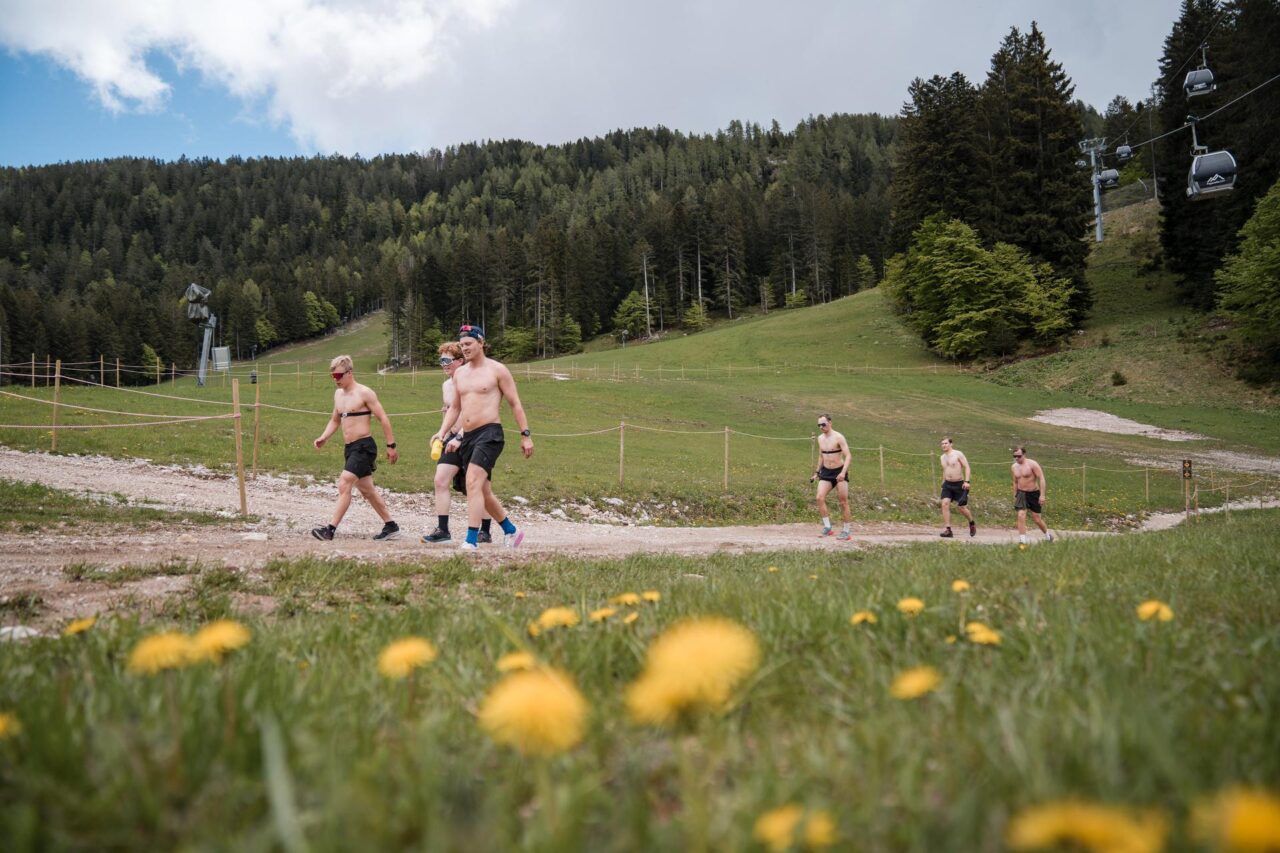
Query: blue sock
(473, 535)
(507, 526)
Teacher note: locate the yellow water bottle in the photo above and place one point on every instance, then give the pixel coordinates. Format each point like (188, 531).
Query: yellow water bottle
(437, 447)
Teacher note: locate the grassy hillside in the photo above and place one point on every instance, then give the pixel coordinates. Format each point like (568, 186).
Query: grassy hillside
(1138, 329)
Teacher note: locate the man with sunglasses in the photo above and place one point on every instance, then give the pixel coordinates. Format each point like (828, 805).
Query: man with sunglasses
(955, 487)
(354, 405)
(482, 384)
(450, 462)
(832, 449)
(1028, 493)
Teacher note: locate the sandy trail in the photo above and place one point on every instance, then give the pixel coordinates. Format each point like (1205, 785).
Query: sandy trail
(33, 563)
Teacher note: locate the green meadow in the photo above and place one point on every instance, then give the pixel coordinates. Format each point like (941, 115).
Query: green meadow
(297, 742)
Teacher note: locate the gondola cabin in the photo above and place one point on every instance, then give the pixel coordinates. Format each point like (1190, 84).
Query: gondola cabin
(1198, 82)
(1214, 172)
(1124, 153)
(1109, 179)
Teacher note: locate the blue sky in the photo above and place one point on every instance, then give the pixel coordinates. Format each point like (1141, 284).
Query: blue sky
(86, 79)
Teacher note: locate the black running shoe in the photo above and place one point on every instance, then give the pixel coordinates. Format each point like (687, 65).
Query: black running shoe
(973, 529)
(947, 534)
(484, 538)
(437, 535)
(390, 531)
(324, 533)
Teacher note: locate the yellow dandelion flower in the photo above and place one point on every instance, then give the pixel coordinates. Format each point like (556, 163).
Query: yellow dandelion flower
(959, 586)
(1239, 820)
(694, 665)
(813, 577)
(630, 617)
(1153, 609)
(788, 826)
(516, 661)
(166, 650)
(558, 617)
(534, 629)
(602, 614)
(863, 617)
(985, 637)
(773, 569)
(214, 640)
(401, 658)
(79, 626)
(538, 711)
(651, 595)
(10, 725)
(625, 599)
(1089, 826)
(519, 595)
(910, 606)
(916, 682)
(951, 639)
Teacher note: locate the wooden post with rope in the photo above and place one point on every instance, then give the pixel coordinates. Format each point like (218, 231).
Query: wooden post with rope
(257, 417)
(157, 372)
(882, 466)
(57, 393)
(117, 371)
(271, 369)
(33, 370)
(622, 446)
(813, 449)
(1226, 507)
(726, 459)
(1146, 475)
(173, 373)
(102, 369)
(235, 409)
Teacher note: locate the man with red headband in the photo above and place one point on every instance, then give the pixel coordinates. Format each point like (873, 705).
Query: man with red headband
(481, 384)
(354, 405)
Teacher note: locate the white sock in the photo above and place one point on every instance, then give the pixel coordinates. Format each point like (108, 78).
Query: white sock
(826, 521)
(846, 527)
(1022, 539)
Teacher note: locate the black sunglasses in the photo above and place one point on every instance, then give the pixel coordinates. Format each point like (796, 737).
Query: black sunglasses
(445, 361)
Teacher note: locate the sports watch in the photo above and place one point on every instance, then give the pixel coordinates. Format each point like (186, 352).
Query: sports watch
(525, 433)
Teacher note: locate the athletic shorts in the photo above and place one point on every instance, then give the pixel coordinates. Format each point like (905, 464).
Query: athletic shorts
(1027, 500)
(829, 474)
(450, 457)
(955, 490)
(480, 447)
(361, 457)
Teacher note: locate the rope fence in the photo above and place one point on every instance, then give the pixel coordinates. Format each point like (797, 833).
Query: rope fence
(1191, 491)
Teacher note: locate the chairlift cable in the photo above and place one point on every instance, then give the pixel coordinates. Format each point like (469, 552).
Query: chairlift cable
(1199, 47)
(1208, 115)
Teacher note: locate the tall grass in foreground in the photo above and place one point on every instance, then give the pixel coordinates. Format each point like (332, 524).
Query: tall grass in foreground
(297, 738)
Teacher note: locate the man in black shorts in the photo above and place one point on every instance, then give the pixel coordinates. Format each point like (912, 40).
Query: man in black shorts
(1029, 488)
(955, 487)
(832, 473)
(450, 463)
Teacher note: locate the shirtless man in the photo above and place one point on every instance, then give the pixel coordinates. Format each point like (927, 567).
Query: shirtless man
(481, 385)
(955, 486)
(448, 464)
(1028, 493)
(353, 407)
(832, 448)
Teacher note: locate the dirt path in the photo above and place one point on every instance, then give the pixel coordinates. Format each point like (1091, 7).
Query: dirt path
(35, 564)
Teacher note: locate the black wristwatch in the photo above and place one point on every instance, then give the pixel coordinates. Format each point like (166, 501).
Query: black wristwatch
(391, 445)
(525, 433)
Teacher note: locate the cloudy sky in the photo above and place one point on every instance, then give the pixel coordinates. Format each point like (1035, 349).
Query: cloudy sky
(83, 79)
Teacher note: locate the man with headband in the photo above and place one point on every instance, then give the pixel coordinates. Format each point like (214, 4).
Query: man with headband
(481, 384)
(448, 465)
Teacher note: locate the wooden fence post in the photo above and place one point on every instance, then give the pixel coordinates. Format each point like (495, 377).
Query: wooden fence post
(57, 393)
(235, 408)
(257, 416)
(813, 449)
(622, 446)
(102, 370)
(33, 370)
(48, 373)
(882, 466)
(726, 459)
(1084, 487)
(117, 371)
(157, 373)
(297, 373)
(271, 369)
(1227, 506)
(1146, 475)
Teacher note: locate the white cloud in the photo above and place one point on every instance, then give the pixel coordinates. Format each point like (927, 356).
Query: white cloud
(342, 75)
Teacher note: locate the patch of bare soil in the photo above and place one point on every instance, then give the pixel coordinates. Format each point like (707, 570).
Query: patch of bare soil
(1092, 419)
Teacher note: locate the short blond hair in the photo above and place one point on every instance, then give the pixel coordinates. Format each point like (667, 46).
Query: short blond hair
(342, 362)
(453, 349)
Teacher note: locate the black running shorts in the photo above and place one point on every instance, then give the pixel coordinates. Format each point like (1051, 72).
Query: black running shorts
(481, 447)
(829, 475)
(955, 490)
(361, 457)
(1027, 500)
(449, 457)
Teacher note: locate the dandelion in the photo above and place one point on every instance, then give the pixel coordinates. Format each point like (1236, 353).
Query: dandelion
(773, 569)
(534, 629)
(982, 634)
(166, 650)
(1089, 826)
(557, 617)
(788, 826)
(602, 614)
(813, 577)
(625, 599)
(539, 712)
(402, 657)
(10, 725)
(519, 595)
(516, 661)
(916, 682)
(951, 639)
(1153, 609)
(1240, 820)
(863, 617)
(910, 606)
(959, 586)
(651, 595)
(630, 617)
(213, 641)
(79, 626)
(692, 666)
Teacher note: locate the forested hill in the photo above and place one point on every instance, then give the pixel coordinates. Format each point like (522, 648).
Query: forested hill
(540, 242)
